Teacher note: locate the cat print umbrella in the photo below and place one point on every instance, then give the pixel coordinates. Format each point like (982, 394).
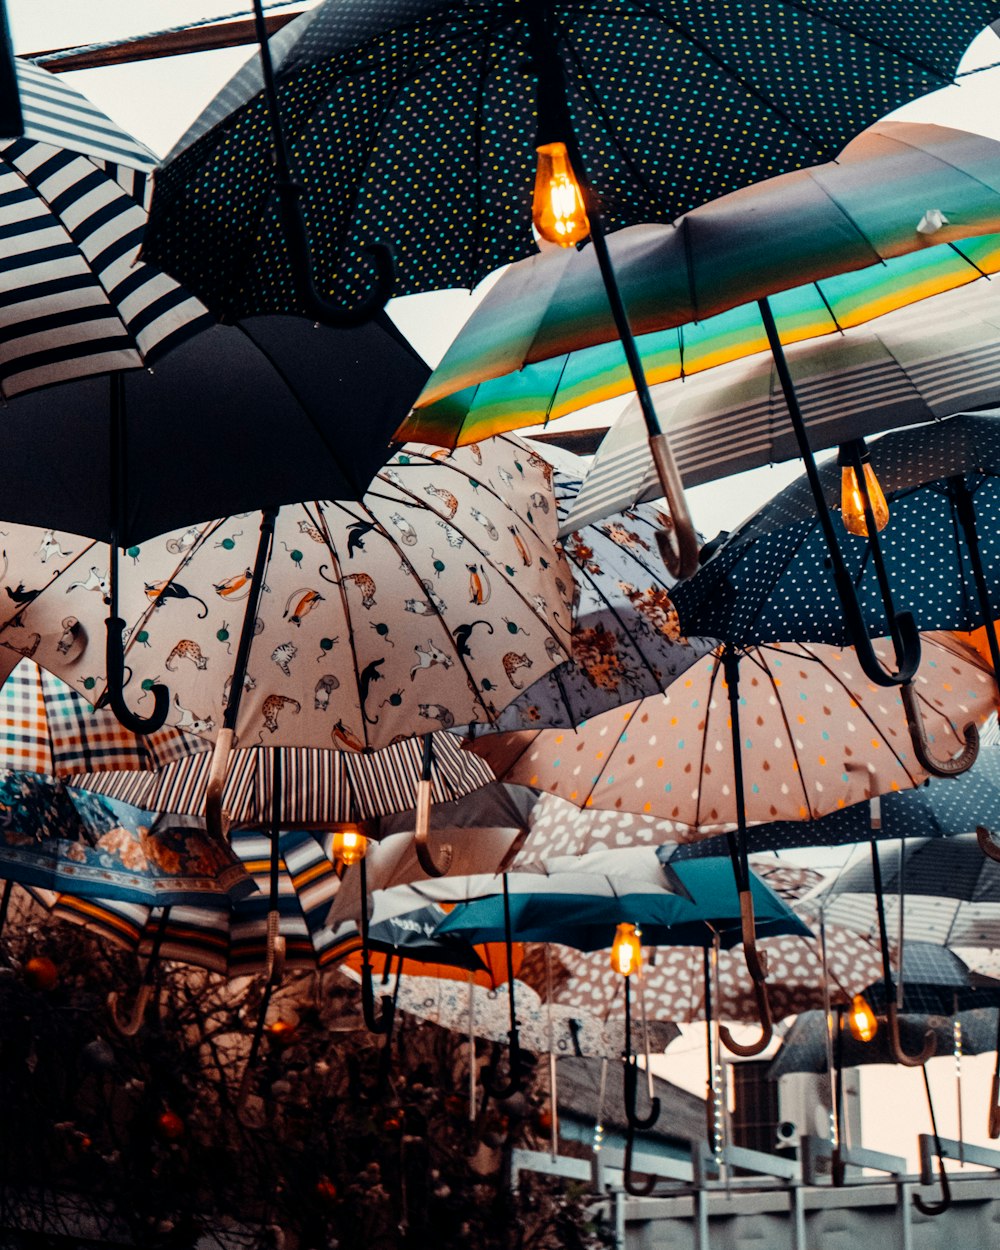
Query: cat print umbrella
(345, 625)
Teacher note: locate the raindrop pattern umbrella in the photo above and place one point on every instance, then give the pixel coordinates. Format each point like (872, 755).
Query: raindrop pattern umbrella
(441, 142)
(810, 726)
(430, 604)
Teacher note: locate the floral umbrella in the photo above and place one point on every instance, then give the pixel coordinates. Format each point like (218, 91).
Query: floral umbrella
(626, 639)
(816, 735)
(431, 603)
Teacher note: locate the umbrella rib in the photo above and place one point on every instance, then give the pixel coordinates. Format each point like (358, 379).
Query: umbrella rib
(439, 616)
(716, 670)
(788, 731)
(600, 772)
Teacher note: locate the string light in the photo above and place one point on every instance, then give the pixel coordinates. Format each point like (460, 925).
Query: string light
(861, 1020)
(558, 210)
(349, 845)
(852, 504)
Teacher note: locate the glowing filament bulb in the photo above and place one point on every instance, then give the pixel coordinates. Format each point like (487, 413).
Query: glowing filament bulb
(861, 1020)
(626, 950)
(852, 503)
(349, 845)
(558, 211)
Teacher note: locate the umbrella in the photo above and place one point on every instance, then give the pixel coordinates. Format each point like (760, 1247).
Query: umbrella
(951, 892)
(77, 300)
(803, 1048)
(831, 247)
(477, 833)
(558, 827)
(375, 625)
(48, 727)
(57, 837)
(626, 642)
(940, 808)
(922, 363)
(448, 82)
(557, 106)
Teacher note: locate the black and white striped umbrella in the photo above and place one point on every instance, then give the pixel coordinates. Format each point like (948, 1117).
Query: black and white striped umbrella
(76, 300)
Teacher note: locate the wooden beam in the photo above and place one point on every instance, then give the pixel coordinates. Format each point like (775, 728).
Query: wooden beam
(152, 47)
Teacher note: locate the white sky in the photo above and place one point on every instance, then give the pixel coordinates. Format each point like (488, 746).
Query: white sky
(157, 100)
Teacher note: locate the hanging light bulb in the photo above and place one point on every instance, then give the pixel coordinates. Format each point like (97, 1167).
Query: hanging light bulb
(852, 504)
(861, 1020)
(626, 950)
(349, 845)
(558, 212)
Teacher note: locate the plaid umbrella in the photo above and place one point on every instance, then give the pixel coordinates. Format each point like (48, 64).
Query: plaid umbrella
(48, 727)
(429, 604)
(77, 299)
(56, 837)
(436, 156)
(806, 241)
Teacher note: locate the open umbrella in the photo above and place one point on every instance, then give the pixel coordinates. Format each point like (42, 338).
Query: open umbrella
(922, 363)
(326, 623)
(625, 642)
(558, 827)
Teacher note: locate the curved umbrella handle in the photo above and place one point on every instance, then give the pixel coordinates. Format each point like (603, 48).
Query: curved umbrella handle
(766, 1023)
(921, 747)
(934, 1208)
(318, 306)
(635, 1121)
(899, 1055)
(993, 1119)
(986, 844)
(503, 1089)
(131, 1024)
(679, 547)
(216, 819)
(425, 856)
(905, 635)
(115, 664)
(635, 1184)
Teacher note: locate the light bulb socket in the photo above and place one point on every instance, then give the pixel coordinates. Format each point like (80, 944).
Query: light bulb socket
(853, 453)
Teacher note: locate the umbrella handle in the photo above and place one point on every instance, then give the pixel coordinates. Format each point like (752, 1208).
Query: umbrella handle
(986, 844)
(905, 637)
(382, 1023)
(216, 819)
(899, 1055)
(679, 545)
(115, 693)
(318, 306)
(993, 1120)
(631, 1182)
(935, 1208)
(421, 835)
(631, 1075)
(504, 1089)
(131, 1024)
(766, 1023)
(921, 747)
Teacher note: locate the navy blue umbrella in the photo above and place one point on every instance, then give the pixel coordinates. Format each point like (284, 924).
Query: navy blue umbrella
(768, 581)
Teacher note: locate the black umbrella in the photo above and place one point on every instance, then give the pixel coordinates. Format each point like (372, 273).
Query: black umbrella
(422, 123)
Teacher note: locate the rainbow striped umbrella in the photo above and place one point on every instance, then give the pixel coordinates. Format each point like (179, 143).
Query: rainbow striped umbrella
(543, 343)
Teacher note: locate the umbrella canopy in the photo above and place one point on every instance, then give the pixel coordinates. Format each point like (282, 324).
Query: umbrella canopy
(804, 1046)
(764, 582)
(922, 363)
(674, 978)
(57, 837)
(77, 299)
(935, 980)
(949, 890)
(429, 604)
(444, 139)
(811, 725)
(558, 827)
(317, 787)
(48, 727)
(579, 901)
(626, 642)
(940, 808)
(830, 247)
